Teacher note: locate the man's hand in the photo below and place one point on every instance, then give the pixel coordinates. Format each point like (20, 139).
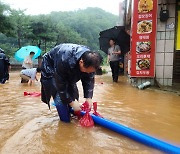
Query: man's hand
(89, 100)
(117, 52)
(36, 78)
(30, 82)
(75, 105)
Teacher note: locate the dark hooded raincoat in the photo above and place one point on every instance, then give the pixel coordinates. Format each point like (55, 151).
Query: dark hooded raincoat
(4, 67)
(60, 72)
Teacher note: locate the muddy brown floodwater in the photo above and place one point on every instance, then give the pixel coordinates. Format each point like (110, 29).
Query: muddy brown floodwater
(28, 127)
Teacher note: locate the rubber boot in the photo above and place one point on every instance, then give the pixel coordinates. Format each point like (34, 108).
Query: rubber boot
(62, 109)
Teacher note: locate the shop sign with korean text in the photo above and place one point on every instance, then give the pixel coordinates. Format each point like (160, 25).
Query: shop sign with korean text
(143, 45)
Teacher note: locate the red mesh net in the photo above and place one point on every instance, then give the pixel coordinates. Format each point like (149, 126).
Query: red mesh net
(33, 94)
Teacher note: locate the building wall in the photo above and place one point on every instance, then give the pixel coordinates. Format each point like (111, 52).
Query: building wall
(165, 46)
(164, 49)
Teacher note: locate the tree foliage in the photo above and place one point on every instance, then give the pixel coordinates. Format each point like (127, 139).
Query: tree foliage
(6, 26)
(21, 26)
(46, 31)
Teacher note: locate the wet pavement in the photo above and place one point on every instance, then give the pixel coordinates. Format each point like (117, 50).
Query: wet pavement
(27, 126)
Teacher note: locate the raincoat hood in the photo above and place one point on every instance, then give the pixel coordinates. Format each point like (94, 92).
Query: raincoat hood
(71, 53)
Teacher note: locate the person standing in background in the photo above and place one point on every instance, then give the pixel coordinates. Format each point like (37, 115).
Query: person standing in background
(114, 53)
(28, 63)
(4, 67)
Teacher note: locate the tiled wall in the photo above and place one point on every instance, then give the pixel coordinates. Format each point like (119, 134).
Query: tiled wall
(165, 46)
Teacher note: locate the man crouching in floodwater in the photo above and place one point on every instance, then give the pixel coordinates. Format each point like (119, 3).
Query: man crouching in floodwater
(62, 67)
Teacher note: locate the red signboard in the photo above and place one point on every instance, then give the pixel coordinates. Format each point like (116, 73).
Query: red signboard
(143, 45)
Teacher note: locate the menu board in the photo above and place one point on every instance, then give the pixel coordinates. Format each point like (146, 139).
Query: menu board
(143, 45)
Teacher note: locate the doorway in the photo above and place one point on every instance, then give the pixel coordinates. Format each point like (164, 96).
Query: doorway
(176, 67)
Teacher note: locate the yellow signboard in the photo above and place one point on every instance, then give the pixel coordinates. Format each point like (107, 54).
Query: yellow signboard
(178, 33)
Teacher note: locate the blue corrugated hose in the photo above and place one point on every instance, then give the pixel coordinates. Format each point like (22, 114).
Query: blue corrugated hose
(135, 135)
